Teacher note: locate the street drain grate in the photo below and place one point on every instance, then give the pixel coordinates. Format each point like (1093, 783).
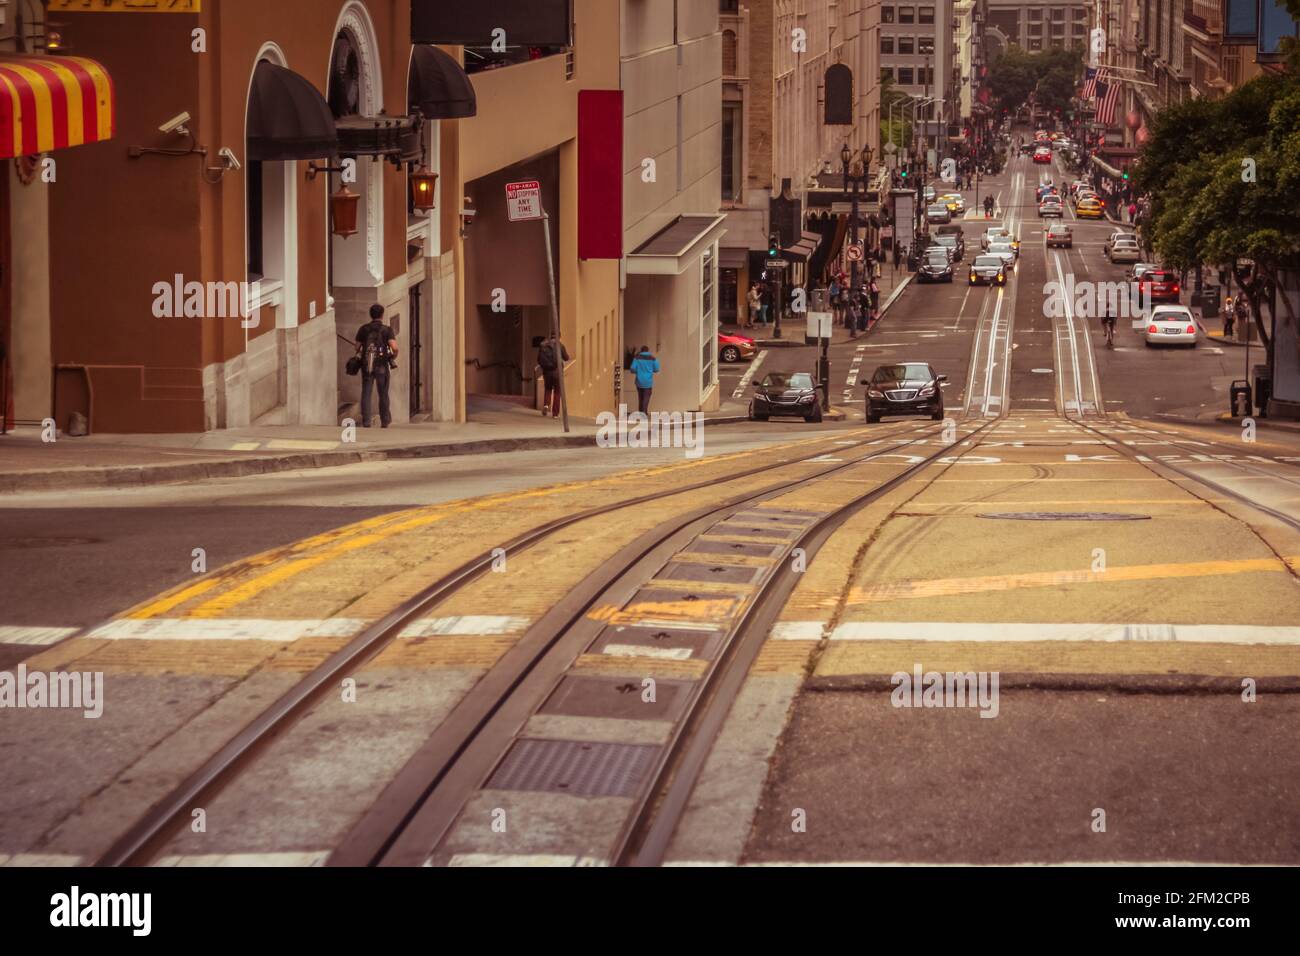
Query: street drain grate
(1063, 516)
(579, 768)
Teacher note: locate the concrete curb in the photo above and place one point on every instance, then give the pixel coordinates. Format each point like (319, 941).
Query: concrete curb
(138, 476)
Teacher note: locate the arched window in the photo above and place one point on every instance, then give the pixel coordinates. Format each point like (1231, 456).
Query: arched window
(729, 53)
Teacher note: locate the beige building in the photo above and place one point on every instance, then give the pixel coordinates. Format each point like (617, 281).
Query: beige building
(776, 55)
(670, 66)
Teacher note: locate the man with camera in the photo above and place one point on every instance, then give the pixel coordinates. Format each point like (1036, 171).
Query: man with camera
(377, 349)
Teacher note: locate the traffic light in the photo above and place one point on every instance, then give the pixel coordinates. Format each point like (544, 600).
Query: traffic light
(1125, 174)
(903, 171)
(773, 246)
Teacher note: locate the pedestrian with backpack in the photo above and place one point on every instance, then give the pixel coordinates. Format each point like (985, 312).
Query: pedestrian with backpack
(646, 367)
(549, 355)
(377, 349)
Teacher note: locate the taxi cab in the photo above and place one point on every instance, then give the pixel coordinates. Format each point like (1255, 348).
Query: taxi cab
(1089, 208)
(954, 202)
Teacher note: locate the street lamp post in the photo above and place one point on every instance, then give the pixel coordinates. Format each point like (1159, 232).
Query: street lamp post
(855, 173)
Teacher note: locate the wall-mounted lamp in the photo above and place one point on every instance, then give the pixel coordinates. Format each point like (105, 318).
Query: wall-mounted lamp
(422, 188)
(343, 210)
(467, 214)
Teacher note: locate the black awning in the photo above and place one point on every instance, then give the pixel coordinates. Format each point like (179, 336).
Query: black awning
(439, 88)
(288, 119)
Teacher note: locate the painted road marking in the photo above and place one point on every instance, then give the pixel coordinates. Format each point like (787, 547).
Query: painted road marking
(749, 374)
(912, 589)
(254, 629)
(990, 631)
(523, 859)
(36, 636)
(305, 858)
(638, 650)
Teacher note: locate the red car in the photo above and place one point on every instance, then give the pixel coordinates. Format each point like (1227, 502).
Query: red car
(735, 348)
(1042, 155)
(1162, 285)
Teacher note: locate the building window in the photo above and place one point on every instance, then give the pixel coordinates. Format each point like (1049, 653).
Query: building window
(728, 6)
(1035, 29)
(886, 44)
(906, 44)
(729, 53)
(254, 191)
(905, 75)
(708, 321)
(907, 14)
(1058, 13)
(887, 73)
(925, 45)
(925, 15)
(731, 150)
(1035, 43)
(886, 14)
(1036, 13)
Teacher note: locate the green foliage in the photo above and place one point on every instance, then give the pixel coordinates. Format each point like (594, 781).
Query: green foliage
(1016, 73)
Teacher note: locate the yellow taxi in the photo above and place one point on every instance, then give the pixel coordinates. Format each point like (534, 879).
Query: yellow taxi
(1089, 208)
(954, 202)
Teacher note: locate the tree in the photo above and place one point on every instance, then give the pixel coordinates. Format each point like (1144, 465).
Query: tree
(1224, 182)
(890, 95)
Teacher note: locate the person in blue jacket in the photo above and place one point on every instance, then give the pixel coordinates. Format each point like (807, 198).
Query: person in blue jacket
(646, 366)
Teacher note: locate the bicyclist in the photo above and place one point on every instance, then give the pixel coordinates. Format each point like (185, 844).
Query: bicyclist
(1108, 323)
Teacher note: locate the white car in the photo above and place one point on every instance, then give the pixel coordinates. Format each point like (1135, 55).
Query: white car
(1004, 250)
(1123, 250)
(1171, 325)
(994, 234)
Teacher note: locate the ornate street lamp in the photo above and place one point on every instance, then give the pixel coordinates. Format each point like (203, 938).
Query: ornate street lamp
(422, 188)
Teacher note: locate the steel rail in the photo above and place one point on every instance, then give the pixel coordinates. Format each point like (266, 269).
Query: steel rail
(646, 836)
(136, 845)
(421, 804)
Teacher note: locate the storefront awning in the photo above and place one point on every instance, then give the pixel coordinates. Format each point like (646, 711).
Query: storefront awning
(288, 119)
(804, 248)
(439, 88)
(676, 246)
(50, 102)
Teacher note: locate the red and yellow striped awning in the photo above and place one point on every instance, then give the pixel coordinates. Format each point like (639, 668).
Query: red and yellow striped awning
(49, 102)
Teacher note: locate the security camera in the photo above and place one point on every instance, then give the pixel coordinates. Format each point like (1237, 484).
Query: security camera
(176, 124)
(229, 158)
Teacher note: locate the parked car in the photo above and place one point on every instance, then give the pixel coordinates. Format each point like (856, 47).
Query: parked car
(785, 394)
(1163, 284)
(988, 269)
(1059, 234)
(936, 266)
(735, 348)
(937, 212)
(1171, 325)
(1051, 206)
(908, 388)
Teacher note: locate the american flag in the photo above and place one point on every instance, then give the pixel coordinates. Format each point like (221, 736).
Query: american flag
(1109, 103)
(1090, 84)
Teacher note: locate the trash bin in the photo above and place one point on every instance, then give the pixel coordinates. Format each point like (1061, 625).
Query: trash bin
(1239, 399)
(1263, 389)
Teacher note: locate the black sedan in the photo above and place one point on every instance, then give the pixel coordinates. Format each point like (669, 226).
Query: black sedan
(936, 266)
(909, 388)
(988, 268)
(785, 393)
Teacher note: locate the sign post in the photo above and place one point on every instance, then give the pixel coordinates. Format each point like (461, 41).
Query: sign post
(524, 202)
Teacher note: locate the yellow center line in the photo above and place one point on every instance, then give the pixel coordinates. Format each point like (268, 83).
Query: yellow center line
(373, 530)
(947, 587)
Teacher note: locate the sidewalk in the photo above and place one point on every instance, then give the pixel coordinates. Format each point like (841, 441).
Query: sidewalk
(113, 461)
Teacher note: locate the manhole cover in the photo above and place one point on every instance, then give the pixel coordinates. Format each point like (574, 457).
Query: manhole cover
(1063, 516)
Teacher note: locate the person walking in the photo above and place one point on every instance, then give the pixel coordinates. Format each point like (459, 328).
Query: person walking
(1229, 317)
(646, 367)
(549, 355)
(834, 292)
(1132, 212)
(765, 298)
(755, 303)
(377, 346)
